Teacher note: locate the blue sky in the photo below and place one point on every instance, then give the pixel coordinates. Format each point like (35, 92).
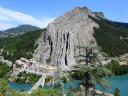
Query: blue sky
(41, 12)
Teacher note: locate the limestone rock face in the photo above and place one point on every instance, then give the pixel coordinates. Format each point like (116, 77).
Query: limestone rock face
(66, 38)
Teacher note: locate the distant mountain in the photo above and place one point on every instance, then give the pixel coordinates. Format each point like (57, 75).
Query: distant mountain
(121, 24)
(12, 32)
(22, 28)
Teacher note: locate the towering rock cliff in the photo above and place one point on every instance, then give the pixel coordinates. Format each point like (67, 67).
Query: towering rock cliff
(66, 38)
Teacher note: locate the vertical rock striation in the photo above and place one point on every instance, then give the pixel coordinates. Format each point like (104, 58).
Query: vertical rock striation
(66, 38)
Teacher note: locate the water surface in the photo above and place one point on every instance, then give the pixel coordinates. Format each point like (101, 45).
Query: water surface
(120, 82)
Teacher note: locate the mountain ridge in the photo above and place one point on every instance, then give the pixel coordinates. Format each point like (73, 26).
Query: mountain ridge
(67, 38)
(21, 29)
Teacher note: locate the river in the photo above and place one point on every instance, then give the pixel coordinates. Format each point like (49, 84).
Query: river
(120, 82)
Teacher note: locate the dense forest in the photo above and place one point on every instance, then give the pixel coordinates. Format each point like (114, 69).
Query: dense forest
(112, 37)
(20, 46)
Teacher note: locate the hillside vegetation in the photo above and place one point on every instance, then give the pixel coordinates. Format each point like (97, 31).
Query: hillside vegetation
(4, 70)
(116, 68)
(111, 37)
(20, 46)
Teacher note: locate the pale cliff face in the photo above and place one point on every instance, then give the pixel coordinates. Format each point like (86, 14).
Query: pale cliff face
(66, 38)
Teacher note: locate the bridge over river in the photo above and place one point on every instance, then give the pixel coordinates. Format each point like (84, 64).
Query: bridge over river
(40, 82)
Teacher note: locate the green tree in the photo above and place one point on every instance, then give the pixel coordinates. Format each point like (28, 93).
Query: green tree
(95, 76)
(59, 78)
(91, 73)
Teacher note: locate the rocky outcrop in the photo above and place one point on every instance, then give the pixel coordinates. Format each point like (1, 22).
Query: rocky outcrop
(66, 38)
(99, 14)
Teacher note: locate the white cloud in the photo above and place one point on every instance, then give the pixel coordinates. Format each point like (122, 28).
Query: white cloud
(9, 18)
(4, 26)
